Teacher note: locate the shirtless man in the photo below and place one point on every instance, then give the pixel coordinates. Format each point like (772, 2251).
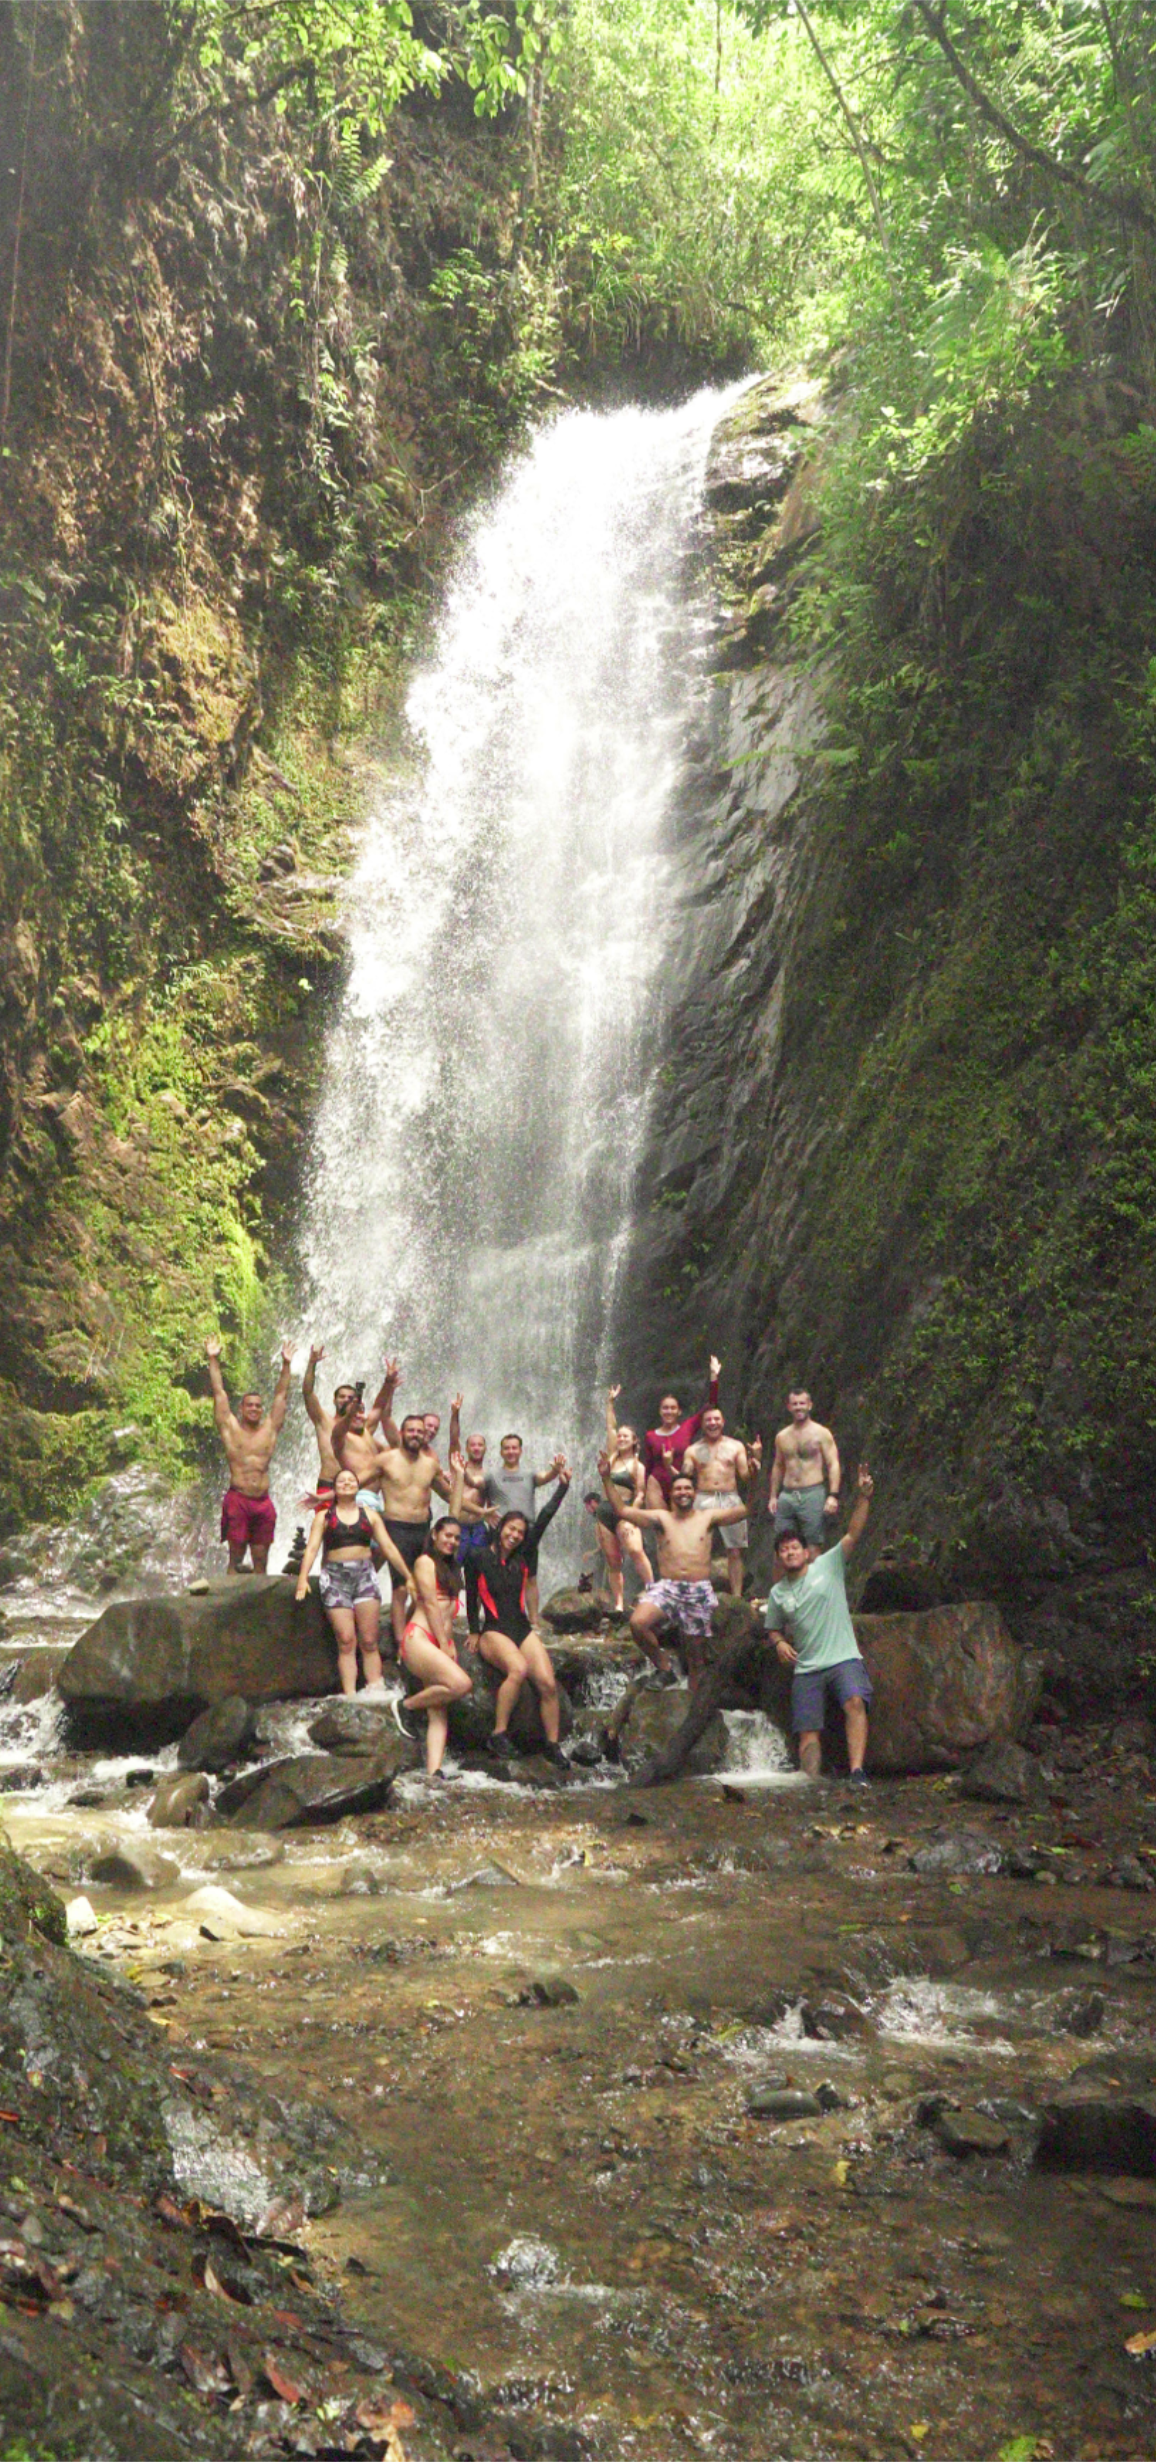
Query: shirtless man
(406, 1475)
(683, 1593)
(805, 1476)
(720, 1465)
(343, 1396)
(248, 1513)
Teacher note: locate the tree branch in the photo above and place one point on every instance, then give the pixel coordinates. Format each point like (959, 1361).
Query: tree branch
(1108, 200)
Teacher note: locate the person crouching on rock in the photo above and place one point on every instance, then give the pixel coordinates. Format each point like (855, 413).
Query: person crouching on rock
(508, 1640)
(684, 1593)
(809, 1622)
(345, 1534)
(248, 1513)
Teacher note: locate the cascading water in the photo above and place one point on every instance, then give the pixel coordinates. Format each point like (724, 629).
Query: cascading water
(470, 1188)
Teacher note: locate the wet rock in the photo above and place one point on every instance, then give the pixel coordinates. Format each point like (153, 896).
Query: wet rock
(1079, 2013)
(79, 1918)
(549, 1992)
(584, 1665)
(1089, 2127)
(223, 1917)
(219, 1737)
(487, 1876)
(573, 1611)
(941, 1949)
(129, 1868)
(971, 2132)
(653, 1722)
(783, 2103)
(833, 2020)
(472, 1719)
(1133, 1734)
(356, 1725)
(1004, 1774)
(20, 1777)
(310, 1788)
(954, 1854)
(946, 1682)
(38, 1671)
(181, 1800)
(359, 1881)
(1129, 1873)
(150, 1664)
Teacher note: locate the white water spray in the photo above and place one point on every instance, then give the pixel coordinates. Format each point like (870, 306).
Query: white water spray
(471, 1182)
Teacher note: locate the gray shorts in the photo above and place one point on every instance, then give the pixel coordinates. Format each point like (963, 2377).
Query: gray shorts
(342, 1585)
(799, 1514)
(733, 1534)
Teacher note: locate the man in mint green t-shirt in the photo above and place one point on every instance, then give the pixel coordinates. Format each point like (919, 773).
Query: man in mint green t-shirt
(809, 1622)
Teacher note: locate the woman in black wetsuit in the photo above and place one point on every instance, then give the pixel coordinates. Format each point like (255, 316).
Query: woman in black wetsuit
(508, 1640)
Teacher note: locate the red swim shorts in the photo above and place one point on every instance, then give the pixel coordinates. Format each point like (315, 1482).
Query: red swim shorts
(247, 1521)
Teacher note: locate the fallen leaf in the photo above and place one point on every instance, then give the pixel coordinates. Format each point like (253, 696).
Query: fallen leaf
(919, 2429)
(13, 2119)
(839, 2174)
(283, 2386)
(1020, 2449)
(1140, 2344)
(203, 2370)
(170, 2212)
(1132, 2299)
(242, 2372)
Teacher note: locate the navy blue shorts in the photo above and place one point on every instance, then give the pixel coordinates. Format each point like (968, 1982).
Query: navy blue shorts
(849, 1681)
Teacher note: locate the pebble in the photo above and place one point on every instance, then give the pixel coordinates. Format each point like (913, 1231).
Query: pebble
(79, 1918)
(784, 2103)
(224, 1918)
(971, 2132)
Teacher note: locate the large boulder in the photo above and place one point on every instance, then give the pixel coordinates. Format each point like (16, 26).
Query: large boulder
(574, 1611)
(947, 1683)
(219, 1737)
(148, 1665)
(181, 1800)
(472, 1720)
(312, 1788)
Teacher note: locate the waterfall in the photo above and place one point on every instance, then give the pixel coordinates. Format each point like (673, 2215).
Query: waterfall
(469, 1191)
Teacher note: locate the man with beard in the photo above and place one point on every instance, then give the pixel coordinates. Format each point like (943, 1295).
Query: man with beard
(343, 1396)
(720, 1465)
(405, 1475)
(683, 1595)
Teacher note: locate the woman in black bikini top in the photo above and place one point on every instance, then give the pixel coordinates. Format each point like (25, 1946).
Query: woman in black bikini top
(343, 1535)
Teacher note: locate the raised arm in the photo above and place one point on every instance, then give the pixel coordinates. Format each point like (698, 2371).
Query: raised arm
(221, 1411)
(309, 1558)
(455, 1424)
(393, 1555)
(340, 1430)
(611, 1420)
(381, 1413)
(624, 1513)
(864, 1491)
(832, 1472)
(542, 1478)
(688, 1432)
(309, 1384)
(457, 1482)
(742, 1463)
(549, 1509)
(280, 1402)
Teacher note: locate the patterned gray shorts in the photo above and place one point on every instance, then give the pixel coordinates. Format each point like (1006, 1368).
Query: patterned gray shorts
(342, 1585)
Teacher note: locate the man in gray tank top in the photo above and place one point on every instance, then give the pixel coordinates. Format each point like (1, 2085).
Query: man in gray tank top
(511, 1490)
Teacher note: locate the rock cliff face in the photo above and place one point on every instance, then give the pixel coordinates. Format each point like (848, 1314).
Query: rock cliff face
(852, 1120)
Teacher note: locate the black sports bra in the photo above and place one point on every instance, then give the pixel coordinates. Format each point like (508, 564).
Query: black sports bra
(345, 1534)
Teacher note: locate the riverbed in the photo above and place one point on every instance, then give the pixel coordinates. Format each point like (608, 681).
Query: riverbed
(544, 2015)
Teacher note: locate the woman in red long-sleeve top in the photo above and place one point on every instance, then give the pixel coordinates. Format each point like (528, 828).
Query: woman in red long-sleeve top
(665, 1445)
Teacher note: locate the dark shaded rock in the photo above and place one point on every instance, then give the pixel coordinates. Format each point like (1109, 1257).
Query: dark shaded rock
(1080, 2013)
(20, 1776)
(653, 1722)
(1088, 2127)
(573, 1611)
(971, 2132)
(583, 1663)
(952, 1854)
(219, 1737)
(150, 1664)
(1004, 1774)
(181, 1800)
(313, 1788)
(38, 1671)
(783, 2103)
(472, 1720)
(1129, 1873)
(133, 1868)
(550, 1992)
(1134, 1734)
(833, 2020)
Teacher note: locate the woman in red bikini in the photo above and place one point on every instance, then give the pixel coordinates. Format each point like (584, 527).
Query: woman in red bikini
(427, 1649)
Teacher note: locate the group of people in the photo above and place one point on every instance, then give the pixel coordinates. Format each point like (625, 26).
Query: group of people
(373, 1501)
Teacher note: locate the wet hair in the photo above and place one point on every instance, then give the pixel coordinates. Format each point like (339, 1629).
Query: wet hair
(592, 1497)
(511, 1438)
(512, 1516)
(414, 1419)
(451, 1573)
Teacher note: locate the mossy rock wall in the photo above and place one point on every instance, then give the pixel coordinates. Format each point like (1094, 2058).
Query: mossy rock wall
(903, 1134)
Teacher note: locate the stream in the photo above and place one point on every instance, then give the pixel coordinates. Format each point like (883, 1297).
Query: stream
(543, 2016)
